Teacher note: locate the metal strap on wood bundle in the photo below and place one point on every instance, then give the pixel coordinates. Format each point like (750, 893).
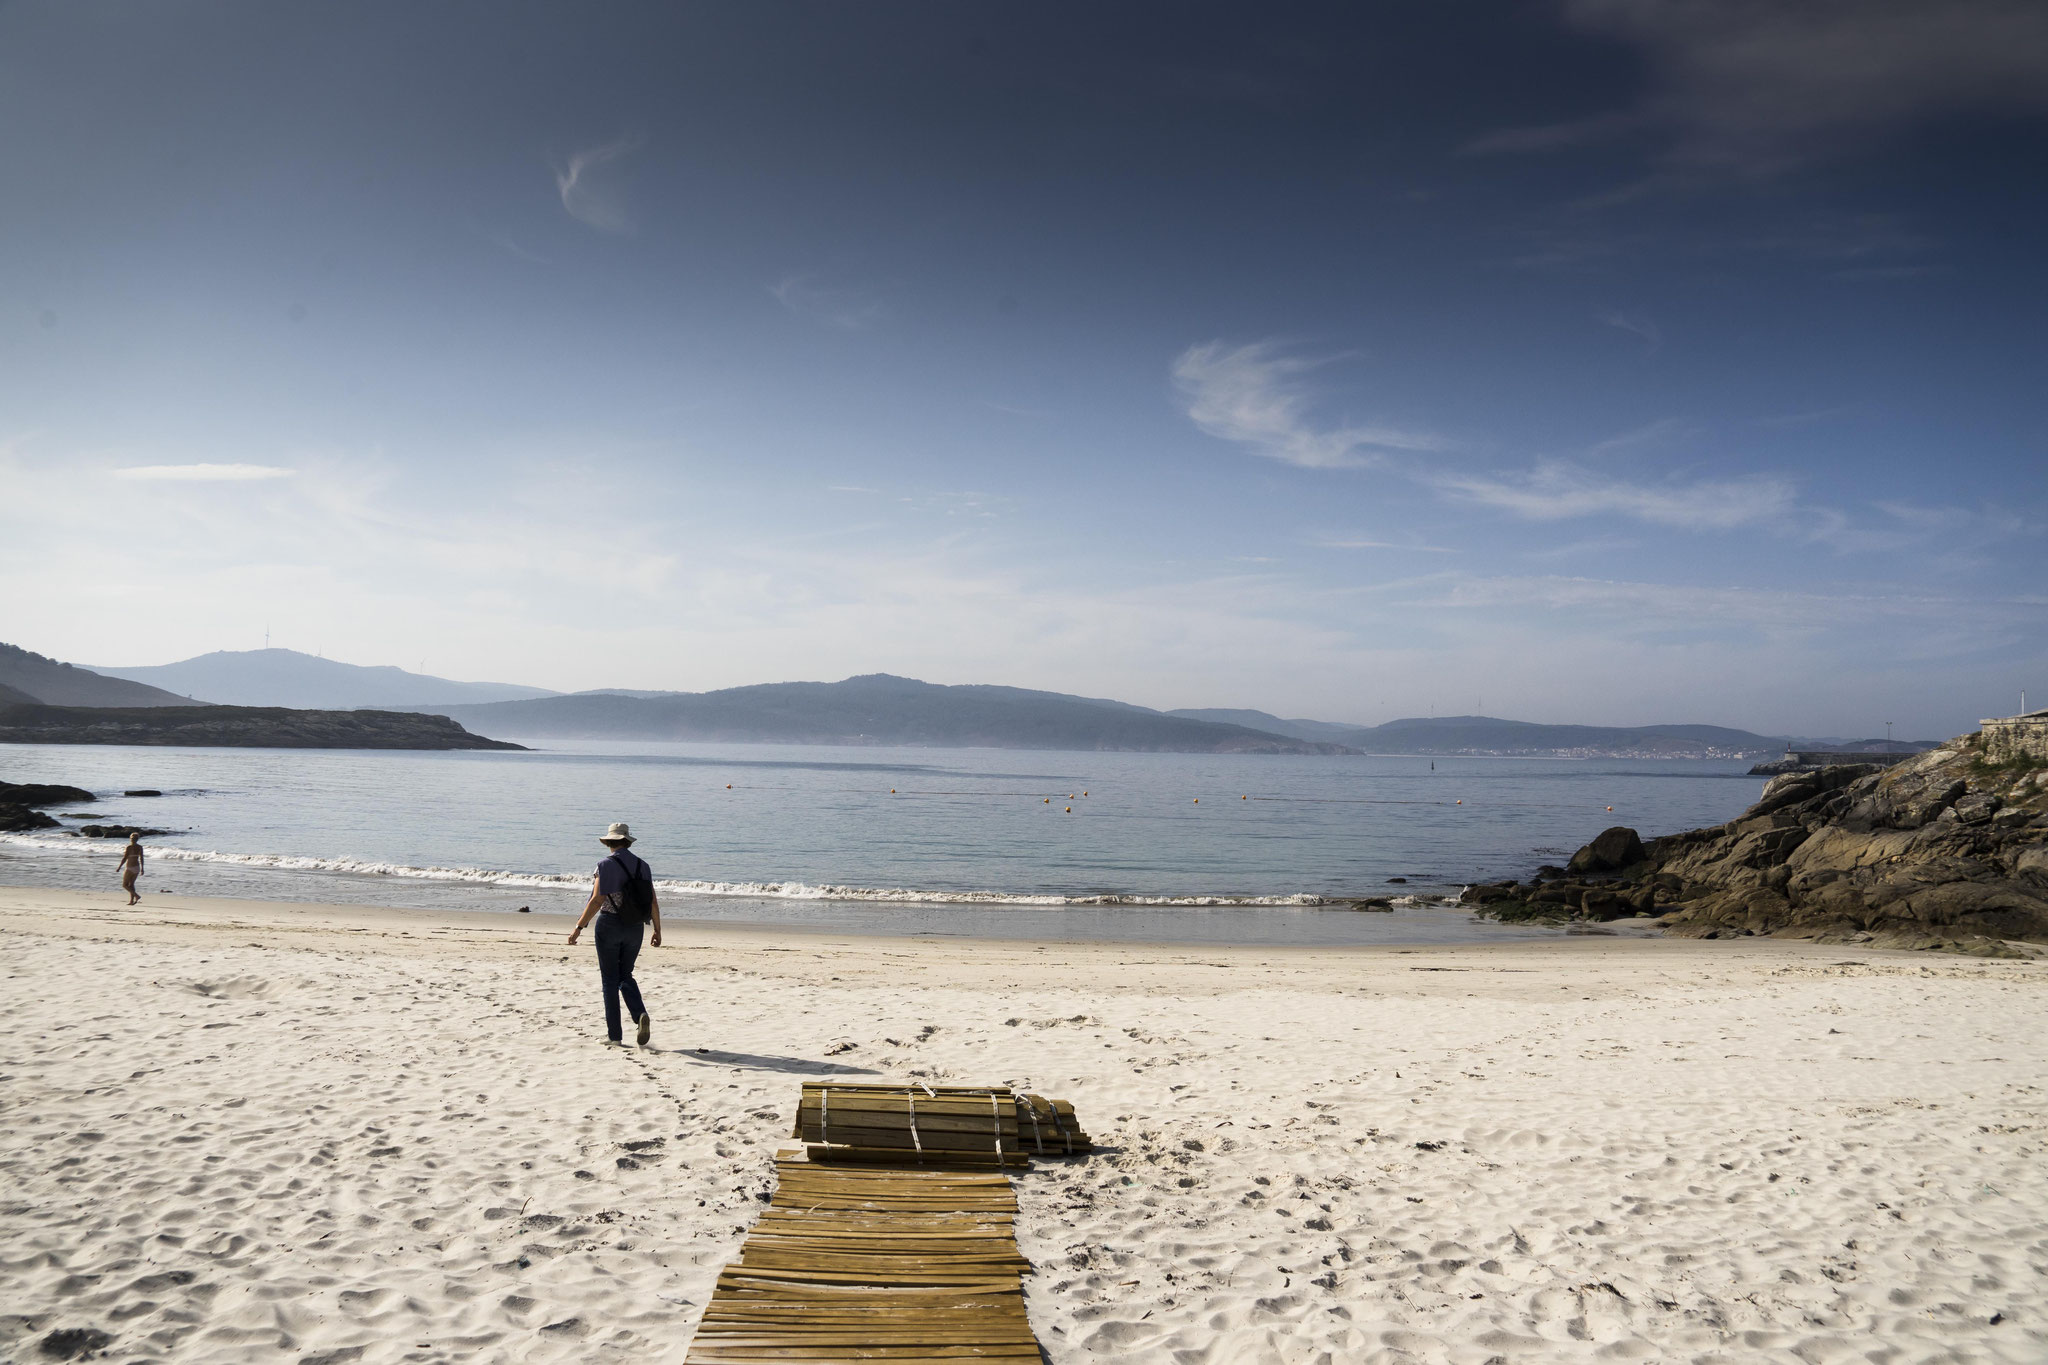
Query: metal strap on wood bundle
(1049, 1127)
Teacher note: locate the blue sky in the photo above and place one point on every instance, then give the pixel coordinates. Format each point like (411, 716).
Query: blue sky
(1592, 362)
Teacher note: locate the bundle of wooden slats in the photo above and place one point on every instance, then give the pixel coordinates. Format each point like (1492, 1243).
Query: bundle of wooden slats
(897, 1125)
(1048, 1127)
(861, 1264)
(920, 1125)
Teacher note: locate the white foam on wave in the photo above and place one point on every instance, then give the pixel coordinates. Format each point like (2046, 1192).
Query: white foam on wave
(798, 891)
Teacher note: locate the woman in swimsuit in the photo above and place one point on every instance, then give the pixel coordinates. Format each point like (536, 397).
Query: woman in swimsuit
(131, 866)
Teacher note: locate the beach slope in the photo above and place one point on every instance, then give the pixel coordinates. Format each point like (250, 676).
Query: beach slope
(248, 1132)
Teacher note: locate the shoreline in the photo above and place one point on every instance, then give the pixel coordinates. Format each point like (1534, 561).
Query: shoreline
(240, 1129)
(1402, 915)
(170, 910)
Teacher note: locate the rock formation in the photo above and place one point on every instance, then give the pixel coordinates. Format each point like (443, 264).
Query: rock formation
(267, 727)
(19, 799)
(42, 794)
(1948, 849)
(16, 818)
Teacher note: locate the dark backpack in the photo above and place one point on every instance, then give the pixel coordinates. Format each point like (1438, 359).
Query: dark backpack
(636, 894)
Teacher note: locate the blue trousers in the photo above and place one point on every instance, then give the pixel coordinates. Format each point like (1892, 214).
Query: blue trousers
(618, 944)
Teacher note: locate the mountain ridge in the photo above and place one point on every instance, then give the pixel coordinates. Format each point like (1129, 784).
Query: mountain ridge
(893, 710)
(291, 678)
(875, 709)
(35, 678)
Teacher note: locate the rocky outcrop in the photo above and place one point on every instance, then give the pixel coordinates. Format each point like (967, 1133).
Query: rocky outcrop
(18, 801)
(1613, 850)
(42, 794)
(1948, 849)
(265, 727)
(16, 818)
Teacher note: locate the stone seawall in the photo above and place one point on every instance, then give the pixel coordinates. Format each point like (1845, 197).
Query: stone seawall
(2007, 738)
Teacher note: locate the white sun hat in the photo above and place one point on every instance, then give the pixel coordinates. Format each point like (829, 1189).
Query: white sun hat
(619, 833)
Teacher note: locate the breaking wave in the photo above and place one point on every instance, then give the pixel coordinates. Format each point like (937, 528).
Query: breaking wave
(784, 890)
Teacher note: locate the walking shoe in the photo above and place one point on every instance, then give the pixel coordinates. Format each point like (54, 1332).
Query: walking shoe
(646, 1028)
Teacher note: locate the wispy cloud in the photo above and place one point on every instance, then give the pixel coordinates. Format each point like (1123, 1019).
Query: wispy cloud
(1555, 491)
(1933, 625)
(1801, 419)
(1660, 432)
(1252, 395)
(588, 184)
(513, 248)
(1355, 544)
(843, 309)
(956, 504)
(1591, 545)
(202, 473)
(1636, 326)
(1759, 89)
(1552, 137)
(1904, 526)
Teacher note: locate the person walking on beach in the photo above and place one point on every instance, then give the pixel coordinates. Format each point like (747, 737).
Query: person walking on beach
(131, 867)
(623, 901)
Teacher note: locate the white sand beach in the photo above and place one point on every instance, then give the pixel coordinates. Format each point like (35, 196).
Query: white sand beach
(238, 1131)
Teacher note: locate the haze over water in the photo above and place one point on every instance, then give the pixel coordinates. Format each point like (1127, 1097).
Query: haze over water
(1242, 848)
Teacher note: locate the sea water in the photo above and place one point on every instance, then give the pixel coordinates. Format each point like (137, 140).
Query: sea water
(1048, 845)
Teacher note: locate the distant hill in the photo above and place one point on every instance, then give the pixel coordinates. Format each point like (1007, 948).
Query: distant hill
(35, 678)
(1326, 731)
(641, 692)
(1478, 735)
(257, 727)
(875, 709)
(285, 677)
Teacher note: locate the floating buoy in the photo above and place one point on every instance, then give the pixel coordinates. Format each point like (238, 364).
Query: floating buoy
(892, 791)
(1084, 793)
(1048, 800)
(1610, 808)
(1198, 800)
(1461, 802)
(1244, 798)
(1070, 810)
(728, 786)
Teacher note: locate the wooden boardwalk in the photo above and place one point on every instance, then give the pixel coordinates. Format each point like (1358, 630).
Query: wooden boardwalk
(853, 1263)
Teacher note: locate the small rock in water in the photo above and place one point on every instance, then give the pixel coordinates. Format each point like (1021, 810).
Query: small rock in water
(1397, 881)
(525, 909)
(143, 791)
